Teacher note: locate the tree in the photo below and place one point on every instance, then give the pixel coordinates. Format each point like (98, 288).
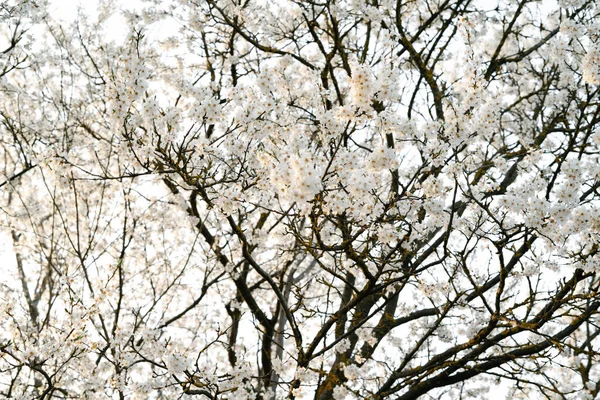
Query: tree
(334, 199)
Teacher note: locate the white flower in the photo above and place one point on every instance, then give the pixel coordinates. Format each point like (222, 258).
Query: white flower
(342, 345)
(177, 363)
(351, 372)
(340, 393)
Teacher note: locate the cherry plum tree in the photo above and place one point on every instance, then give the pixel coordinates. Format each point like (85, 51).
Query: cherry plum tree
(300, 199)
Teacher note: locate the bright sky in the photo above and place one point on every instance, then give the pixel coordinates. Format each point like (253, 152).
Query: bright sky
(67, 9)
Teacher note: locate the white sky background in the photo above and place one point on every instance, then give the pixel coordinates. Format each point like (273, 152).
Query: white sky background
(67, 11)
